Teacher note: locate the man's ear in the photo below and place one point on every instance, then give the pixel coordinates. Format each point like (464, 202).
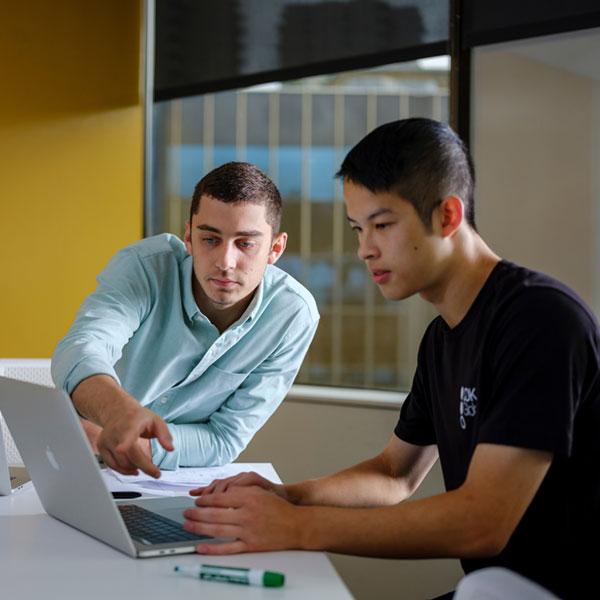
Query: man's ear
(277, 247)
(187, 238)
(450, 215)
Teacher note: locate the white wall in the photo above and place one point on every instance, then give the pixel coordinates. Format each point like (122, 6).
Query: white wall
(535, 138)
(595, 168)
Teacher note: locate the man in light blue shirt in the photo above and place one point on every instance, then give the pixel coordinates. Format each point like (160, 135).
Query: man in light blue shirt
(185, 349)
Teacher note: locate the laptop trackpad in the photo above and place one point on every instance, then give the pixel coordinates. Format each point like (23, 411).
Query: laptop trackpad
(171, 508)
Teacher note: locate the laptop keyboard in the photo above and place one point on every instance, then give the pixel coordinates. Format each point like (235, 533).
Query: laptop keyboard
(149, 527)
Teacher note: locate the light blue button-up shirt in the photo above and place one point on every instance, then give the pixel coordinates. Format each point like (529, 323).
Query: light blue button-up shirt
(143, 327)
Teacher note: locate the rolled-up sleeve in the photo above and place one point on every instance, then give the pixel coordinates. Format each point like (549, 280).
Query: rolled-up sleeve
(104, 323)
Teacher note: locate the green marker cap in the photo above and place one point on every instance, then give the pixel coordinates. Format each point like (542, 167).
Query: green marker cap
(273, 579)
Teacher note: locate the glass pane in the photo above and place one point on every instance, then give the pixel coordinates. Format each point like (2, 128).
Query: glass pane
(298, 132)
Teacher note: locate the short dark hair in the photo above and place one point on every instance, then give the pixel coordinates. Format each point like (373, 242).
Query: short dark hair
(421, 160)
(240, 182)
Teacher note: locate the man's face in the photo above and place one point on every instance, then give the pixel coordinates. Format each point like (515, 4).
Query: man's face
(231, 245)
(402, 257)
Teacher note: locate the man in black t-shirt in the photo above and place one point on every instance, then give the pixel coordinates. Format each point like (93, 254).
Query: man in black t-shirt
(506, 391)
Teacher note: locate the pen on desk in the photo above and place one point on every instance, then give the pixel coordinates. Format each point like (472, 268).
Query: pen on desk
(234, 575)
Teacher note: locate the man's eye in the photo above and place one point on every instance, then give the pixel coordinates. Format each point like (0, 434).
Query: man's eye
(246, 245)
(211, 241)
(382, 225)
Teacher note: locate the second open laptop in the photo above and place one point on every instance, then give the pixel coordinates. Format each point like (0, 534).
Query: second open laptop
(67, 477)
(12, 478)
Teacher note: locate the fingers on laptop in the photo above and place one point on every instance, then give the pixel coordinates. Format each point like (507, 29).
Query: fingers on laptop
(216, 486)
(219, 486)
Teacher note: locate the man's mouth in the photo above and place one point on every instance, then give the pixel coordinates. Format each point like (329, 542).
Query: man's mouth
(380, 276)
(223, 282)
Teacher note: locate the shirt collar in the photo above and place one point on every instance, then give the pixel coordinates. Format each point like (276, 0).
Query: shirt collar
(254, 305)
(189, 302)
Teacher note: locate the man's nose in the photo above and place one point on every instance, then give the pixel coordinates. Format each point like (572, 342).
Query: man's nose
(366, 248)
(226, 258)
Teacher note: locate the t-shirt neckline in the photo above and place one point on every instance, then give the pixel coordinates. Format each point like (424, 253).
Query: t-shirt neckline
(474, 308)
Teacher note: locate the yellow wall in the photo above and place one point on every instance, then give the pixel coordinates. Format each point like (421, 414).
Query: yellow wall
(70, 159)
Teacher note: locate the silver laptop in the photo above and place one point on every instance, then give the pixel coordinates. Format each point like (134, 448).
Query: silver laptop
(67, 477)
(11, 478)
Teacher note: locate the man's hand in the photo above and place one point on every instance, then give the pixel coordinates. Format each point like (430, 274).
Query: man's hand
(123, 429)
(125, 440)
(259, 520)
(220, 486)
(92, 431)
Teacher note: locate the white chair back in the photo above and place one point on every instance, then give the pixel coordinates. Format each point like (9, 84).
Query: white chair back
(497, 583)
(33, 370)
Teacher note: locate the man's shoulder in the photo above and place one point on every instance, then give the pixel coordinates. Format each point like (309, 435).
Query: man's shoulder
(165, 244)
(150, 259)
(281, 290)
(522, 290)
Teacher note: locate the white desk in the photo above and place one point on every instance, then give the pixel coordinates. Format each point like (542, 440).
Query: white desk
(41, 558)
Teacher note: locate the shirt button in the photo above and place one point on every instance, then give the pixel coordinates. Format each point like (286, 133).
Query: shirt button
(163, 400)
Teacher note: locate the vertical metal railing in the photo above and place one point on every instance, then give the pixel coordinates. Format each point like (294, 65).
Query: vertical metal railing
(241, 126)
(174, 170)
(337, 238)
(305, 192)
(273, 126)
(208, 132)
(369, 306)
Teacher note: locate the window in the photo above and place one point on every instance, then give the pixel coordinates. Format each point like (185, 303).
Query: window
(298, 132)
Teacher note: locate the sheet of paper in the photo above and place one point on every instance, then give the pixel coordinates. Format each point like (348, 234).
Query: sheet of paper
(179, 482)
(149, 489)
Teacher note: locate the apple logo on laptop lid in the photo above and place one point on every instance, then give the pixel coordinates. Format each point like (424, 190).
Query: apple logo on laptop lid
(52, 459)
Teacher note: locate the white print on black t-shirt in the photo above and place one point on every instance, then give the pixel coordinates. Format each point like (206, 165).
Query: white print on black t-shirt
(468, 404)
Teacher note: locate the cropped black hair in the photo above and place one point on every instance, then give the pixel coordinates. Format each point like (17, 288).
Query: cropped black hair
(421, 160)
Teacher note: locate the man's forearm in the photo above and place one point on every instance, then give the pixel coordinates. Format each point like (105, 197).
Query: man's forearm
(436, 527)
(473, 521)
(367, 484)
(97, 397)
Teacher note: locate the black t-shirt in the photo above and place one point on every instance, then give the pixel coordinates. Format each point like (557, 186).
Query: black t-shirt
(521, 369)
